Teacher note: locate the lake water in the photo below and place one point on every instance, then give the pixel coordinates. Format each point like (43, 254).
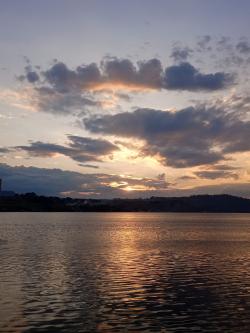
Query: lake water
(124, 272)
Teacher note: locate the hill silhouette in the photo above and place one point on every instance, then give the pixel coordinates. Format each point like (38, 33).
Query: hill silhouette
(31, 202)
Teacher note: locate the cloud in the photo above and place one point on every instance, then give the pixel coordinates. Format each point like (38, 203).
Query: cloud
(60, 89)
(63, 90)
(63, 79)
(243, 47)
(233, 53)
(115, 73)
(223, 52)
(189, 137)
(213, 174)
(186, 177)
(203, 43)
(223, 167)
(181, 54)
(111, 72)
(45, 99)
(236, 103)
(186, 77)
(58, 182)
(32, 77)
(52, 101)
(80, 149)
(4, 150)
(89, 166)
(224, 44)
(218, 171)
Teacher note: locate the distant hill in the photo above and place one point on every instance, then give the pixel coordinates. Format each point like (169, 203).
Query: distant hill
(198, 203)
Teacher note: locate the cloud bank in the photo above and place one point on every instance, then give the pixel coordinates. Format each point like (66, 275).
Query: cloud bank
(123, 73)
(189, 137)
(67, 183)
(63, 90)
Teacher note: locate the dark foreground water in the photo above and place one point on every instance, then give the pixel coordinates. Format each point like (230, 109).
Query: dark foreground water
(124, 272)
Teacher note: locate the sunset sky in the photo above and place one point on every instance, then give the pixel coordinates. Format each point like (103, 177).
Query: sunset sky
(125, 98)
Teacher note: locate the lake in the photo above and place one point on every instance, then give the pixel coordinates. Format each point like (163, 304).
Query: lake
(124, 272)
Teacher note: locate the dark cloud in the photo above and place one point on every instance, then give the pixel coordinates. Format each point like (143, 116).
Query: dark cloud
(146, 74)
(213, 174)
(243, 46)
(63, 79)
(203, 43)
(186, 77)
(89, 166)
(181, 54)
(32, 77)
(60, 89)
(80, 149)
(224, 44)
(186, 177)
(63, 90)
(119, 70)
(48, 100)
(223, 167)
(150, 72)
(58, 182)
(4, 150)
(223, 52)
(234, 54)
(188, 137)
(124, 97)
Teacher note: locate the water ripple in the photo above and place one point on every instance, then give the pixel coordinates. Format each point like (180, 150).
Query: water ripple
(127, 272)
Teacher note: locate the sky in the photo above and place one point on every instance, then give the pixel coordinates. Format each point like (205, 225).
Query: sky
(141, 98)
